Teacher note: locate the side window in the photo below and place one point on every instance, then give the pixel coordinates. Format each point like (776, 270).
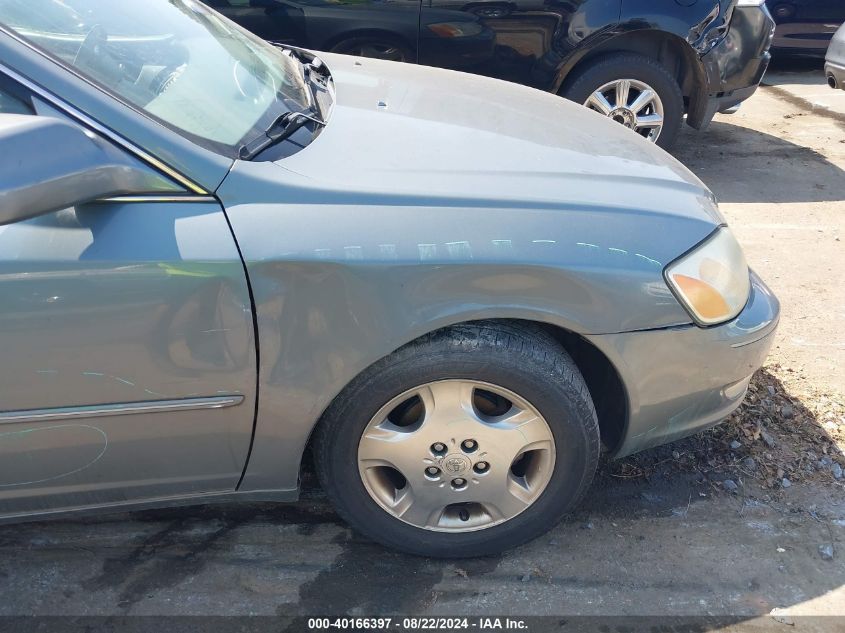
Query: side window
(13, 98)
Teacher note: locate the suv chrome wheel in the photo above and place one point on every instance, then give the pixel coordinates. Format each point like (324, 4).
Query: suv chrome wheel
(633, 103)
(456, 456)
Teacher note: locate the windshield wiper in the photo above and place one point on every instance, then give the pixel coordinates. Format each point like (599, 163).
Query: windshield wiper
(283, 127)
(311, 71)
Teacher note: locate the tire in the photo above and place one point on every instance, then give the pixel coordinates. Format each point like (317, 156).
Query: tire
(522, 361)
(606, 70)
(375, 47)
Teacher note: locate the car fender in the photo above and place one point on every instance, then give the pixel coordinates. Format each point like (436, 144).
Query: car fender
(336, 286)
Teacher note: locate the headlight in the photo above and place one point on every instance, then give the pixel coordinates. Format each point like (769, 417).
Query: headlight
(712, 281)
(750, 3)
(455, 29)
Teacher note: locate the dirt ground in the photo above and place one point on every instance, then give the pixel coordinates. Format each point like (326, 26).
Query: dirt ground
(662, 533)
(777, 168)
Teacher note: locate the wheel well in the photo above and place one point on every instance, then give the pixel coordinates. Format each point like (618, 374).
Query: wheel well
(361, 33)
(670, 50)
(603, 381)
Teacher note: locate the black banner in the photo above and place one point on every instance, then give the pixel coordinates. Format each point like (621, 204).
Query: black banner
(421, 624)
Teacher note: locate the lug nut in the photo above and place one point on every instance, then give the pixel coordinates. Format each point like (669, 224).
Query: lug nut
(459, 482)
(438, 447)
(432, 471)
(481, 467)
(469, 445)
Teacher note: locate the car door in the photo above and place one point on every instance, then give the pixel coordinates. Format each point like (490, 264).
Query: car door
(273, 20)
(368, 28)
(825, 16)
(806, 25)
(516, 40)
(128, 354)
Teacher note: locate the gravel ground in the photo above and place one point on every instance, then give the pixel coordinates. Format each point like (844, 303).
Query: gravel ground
(745, 520)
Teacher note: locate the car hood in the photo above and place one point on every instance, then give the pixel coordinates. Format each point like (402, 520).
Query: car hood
(407, 130)
(456, 197)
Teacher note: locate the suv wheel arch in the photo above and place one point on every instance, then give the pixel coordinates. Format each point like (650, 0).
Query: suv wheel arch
(672, 51)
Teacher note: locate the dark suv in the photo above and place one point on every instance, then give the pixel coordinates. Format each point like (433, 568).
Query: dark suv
(643, 63)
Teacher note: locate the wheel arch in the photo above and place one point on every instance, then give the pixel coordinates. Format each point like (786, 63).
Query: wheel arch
(671, 50)
(603, 379)
(363, 32)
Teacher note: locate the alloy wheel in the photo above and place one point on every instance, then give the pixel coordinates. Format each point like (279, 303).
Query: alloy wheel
(633, 103)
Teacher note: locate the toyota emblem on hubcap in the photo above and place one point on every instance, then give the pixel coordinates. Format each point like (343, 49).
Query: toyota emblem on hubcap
(455, 464)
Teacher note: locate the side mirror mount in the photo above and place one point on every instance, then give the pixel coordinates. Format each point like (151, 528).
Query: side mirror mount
(47, 164)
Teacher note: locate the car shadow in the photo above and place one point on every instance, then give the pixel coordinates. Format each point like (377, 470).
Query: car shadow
(741, 164)
(658, 533)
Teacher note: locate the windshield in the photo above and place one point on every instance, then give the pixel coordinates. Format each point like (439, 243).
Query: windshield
(176, 60)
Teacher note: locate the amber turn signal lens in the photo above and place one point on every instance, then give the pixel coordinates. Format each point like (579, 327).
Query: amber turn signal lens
(708, 303)
(712, 281)
(445, 30)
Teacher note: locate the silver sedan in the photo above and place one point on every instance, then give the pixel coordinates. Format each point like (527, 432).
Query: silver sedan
(215, 254)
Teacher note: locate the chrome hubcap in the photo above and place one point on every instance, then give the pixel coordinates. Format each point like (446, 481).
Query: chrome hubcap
(456, 455)
(633, 103)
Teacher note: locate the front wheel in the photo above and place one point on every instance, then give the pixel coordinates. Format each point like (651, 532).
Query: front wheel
(633, 90)
(470, 441)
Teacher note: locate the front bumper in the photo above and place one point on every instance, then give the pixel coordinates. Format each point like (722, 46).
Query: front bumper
(735, 66)
(684, 379)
